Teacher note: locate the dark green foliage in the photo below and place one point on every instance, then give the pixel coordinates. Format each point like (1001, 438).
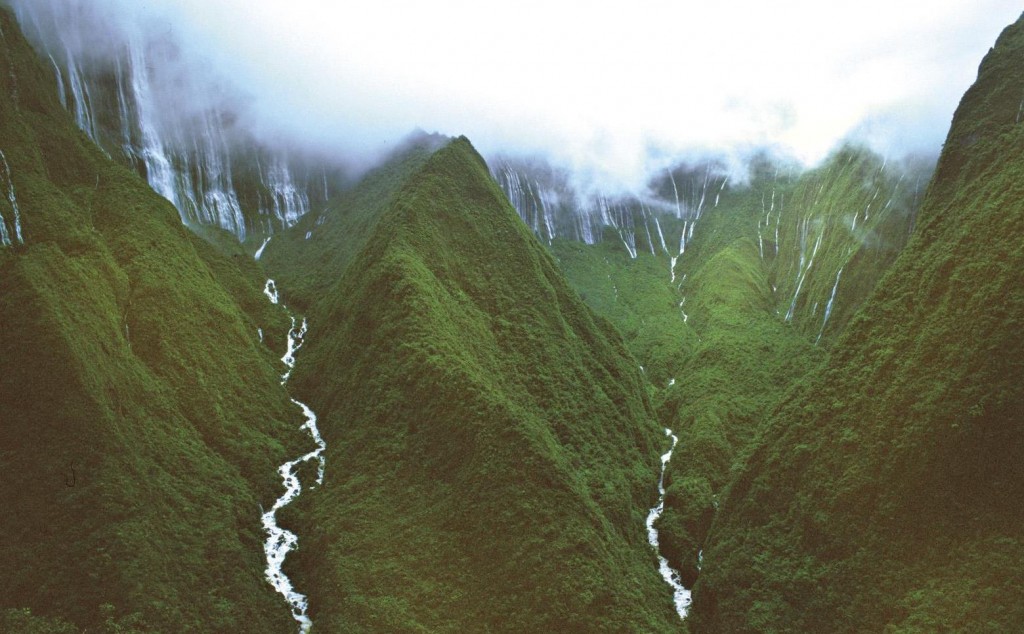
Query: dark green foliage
(636, 296)
(24, 622)
(883, 494)
(310, 268)
(492, 443)
(839, 227)
(491, 452)
(714, 341)
(140, 414)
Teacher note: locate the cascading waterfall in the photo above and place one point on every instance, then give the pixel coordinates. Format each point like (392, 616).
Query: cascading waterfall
(681, 595)
(764, 225)
(259, 251)
(141, 104)
(61, 93)
(536, 204)
(281, 541)
(214, 184)
(295, 338)
(9, 237)
(159, 172)
(124, 114)
(691, 211)
(550, 207)
(721, 189)
(828, 306)
(802, 270)
(620, 218)
(647, 228)
(81, 100)
(661, 236)
(270, 290)
(835, 223)
(287, 202)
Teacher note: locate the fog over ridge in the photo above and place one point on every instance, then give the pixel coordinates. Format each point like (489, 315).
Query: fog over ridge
(612, 92)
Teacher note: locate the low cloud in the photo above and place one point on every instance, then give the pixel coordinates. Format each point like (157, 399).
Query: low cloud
(613, 92)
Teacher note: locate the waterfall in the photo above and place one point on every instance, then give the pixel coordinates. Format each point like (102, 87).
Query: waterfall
(828, 306)
(159, 172)
(140, 102)
(287, 202)
(8, 237)
(270, 290)
(259, 251)
(548, 203)
(681, 595)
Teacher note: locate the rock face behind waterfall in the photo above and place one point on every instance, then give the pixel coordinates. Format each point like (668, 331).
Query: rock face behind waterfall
(493, 453)
(140, 416)
(136, 97)
(885, 491)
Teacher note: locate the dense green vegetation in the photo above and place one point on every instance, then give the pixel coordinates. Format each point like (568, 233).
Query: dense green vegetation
(883, 494)
(141, 421)
(723, 339)
(491, 452)
(836, 228)
(309, 259)
(845, 386)
(636, 296)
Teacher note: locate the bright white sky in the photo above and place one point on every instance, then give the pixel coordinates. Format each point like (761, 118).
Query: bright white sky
(611, 89)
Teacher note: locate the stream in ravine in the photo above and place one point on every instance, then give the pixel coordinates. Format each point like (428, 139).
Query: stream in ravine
(281, 541)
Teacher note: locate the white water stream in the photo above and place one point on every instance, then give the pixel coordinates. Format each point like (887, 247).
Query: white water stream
(259, 251)
(8, 238)
(680, 594)
(281, 541)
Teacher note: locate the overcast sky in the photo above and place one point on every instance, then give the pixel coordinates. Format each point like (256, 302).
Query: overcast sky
(611, 89)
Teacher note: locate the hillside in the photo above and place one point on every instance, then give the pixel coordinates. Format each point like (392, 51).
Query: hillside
(497, 359)
(750, 305)
(491, 452)
(142, 420)
(883, 491)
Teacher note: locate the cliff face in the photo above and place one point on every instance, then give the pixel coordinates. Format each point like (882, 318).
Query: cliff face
(842, 372)
(142, 419)
(136, 97)
(882, 491)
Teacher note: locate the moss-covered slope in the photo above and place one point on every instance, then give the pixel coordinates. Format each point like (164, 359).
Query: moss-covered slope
(828, 235)
(309, 259)
(139, 414)
(884, 492)
(491, 454)
(726, 334)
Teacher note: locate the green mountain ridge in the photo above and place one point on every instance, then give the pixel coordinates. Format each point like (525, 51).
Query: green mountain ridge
(512, 434)
(142, 419)
(743, 316)
(839, 357)
(882, 493)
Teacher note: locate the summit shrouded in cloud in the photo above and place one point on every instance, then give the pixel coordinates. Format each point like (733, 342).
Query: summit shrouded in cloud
(611, 91)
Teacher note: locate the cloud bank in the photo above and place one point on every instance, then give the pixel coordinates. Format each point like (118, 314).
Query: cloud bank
(612, 91)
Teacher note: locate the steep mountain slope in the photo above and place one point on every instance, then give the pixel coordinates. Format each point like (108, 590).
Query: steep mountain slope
(745, 356)
(136, 96)
(309, 260)
(491, 452)
(139, 414)
(726, 325)
(843, 221)
(827, 235)
(883, 493)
